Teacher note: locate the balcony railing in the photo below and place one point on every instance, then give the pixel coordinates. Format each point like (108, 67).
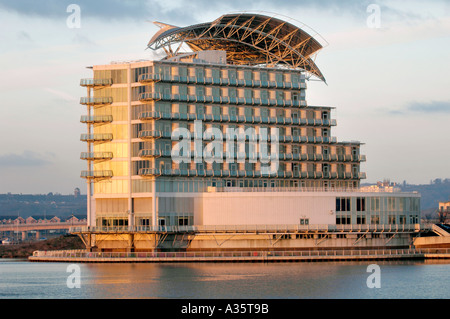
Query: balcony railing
(156, 96)
(96, 174)
(310, 157)
(95, 82)
(248, 174)
(92, 156)
(153, 77)
(96, 100)
(155, 115)
(153, 134)
(96, 137)
(96, 119)
(153, 153)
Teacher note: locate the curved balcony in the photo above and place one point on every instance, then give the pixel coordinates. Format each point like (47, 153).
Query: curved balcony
(95, 82)
(149, 172)
(96, 101)
(96, 119)
(143, 116)
(96, 174)
(104, 137)
(149, 96)
(96, 156)
(150, 153)
(150, 134)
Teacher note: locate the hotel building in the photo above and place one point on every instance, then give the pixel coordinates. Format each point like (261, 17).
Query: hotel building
(222, 136)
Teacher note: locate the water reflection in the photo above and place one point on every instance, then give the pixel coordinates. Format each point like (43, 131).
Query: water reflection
(226, 280)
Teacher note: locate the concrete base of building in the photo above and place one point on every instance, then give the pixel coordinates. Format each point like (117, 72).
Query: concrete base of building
(432, 242)
(167, 242)
(233, 256)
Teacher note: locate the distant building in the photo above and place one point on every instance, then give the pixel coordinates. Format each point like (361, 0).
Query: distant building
(444, 211)
(55, 220)
(19, 220)
(76, 192)
(30, 220)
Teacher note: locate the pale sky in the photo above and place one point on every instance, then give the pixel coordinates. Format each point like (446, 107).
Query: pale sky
(390, 83)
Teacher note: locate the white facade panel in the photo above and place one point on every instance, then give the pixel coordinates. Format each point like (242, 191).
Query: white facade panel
(267, 208)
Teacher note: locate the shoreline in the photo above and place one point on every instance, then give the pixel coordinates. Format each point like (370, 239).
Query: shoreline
(26, 249)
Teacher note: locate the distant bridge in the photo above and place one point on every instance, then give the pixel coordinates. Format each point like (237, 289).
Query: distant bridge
(37, 227)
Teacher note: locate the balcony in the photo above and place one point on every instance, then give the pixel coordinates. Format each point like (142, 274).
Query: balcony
(96, 119)
(149, 116)
(104, 137)
(150, 134)
(96, 156)
(154, 77)
(149, 96)
(95, 82)
(156, 96)
(149, 172)
(152, 153)
(362, 175)
(149, 77)
(96, 174)
(96, 101)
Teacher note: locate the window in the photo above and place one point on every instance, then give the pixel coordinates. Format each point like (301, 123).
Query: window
(361, 220)
(183, 221)
(392, 219)
(343, 220)
(375, 220)
(145, 222)
(162, 222)
(360, 204)
(342, 204)
(264, 76)
(304, 221)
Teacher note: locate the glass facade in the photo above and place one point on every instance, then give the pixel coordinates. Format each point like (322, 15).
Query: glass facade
(241, 127)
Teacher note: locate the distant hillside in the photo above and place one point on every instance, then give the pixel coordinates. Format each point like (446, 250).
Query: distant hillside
(42, 205)
(431, 194)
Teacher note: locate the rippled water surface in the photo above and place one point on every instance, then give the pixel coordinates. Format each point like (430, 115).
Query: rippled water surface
(329, 280)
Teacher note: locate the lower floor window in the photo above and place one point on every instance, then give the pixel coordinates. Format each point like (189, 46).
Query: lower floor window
(183, 221)
(343, 220)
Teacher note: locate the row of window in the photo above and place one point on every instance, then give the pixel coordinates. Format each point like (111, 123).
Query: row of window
(343, 204)
(162, 221)
(375, 220)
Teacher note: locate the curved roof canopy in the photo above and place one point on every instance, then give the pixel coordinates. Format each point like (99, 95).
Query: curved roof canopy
(248, 39)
